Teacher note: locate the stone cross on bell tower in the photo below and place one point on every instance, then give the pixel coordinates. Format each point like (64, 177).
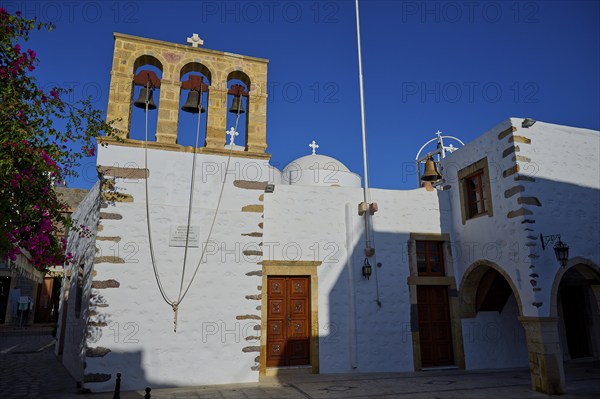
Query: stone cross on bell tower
(195, 40)
(314, 147)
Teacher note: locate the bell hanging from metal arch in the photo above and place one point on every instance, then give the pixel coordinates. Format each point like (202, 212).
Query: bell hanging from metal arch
(141, 100)
(192, 104)
(237, 106)
(431, 173)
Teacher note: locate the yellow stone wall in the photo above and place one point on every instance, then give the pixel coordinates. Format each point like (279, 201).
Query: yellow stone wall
(174, 60)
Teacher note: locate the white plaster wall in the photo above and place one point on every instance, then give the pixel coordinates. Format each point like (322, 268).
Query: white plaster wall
(209, 345)
(83, 249)
(569, 194)
(565, 163)
(495, 340)
(497, 239)
(306, 218)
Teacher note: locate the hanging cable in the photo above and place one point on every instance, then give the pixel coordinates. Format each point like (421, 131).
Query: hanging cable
(182, 293)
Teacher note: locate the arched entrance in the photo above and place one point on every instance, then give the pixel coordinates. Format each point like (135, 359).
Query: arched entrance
(490, 307)
(576, 303)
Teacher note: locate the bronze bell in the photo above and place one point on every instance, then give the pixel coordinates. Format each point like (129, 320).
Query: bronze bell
(237, 105)
(431, 173)
(141, 100)
(192, 103)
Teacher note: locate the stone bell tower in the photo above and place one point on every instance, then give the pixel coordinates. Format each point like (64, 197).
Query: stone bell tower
(174, 61)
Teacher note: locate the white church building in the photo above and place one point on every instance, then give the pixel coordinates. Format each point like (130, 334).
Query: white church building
(494, 265)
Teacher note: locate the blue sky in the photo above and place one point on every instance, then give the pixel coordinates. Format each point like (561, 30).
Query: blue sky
(460, 67)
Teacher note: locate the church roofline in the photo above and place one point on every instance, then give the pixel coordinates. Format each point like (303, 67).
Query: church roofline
(185, 47)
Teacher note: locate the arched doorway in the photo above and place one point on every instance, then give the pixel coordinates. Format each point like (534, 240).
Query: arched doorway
(576, 302)
(490, 307)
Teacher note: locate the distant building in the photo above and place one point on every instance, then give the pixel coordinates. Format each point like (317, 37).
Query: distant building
(27, 295)
(458, 277)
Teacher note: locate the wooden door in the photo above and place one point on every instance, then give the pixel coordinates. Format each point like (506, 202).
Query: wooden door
(288, 321)
(435, 331)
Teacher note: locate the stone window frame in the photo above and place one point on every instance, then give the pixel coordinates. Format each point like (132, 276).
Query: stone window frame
(449, 280)
(477, 168)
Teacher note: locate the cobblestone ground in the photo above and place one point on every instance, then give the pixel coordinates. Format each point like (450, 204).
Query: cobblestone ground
(29, 370)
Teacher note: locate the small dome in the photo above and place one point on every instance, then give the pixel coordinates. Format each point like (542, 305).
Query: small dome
(319, 170)
(316, 161)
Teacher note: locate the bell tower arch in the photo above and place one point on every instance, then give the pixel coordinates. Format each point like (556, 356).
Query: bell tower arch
(174, 60)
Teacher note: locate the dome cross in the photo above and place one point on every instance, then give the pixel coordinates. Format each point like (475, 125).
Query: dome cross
(314, 147)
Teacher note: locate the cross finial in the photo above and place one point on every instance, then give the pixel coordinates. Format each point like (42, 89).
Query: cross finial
(195, 40)
(232, 133)
(314, 147)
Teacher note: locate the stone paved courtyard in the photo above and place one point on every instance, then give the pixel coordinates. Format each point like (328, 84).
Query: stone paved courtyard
(29, 369)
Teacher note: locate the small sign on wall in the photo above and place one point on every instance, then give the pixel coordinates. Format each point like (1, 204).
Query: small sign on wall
(177, 236)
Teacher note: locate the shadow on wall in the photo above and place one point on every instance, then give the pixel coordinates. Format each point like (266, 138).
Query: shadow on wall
(132, 375)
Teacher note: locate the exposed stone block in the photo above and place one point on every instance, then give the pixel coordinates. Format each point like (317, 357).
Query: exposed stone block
(247, 317)
(114, 196)
(513, 190)
(255, 368)
(254, 297)
(506, 132)
(510, 150)
(98, 351)
(261, 224)
(255, 273)
(511, 171)
(251, 349)
(519, 139)
(253, 234)
(251, 252)
(96, 377)
(108, 238)
(253, 208)
(531, 244)
(529, 201)
(524, 178)
(250, 185)
(520, 158)
(519, 212)
(110, 216)
(108, 259)
(528, 221)
(105, 284)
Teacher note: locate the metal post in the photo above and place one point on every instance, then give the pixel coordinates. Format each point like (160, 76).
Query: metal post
(117, 394)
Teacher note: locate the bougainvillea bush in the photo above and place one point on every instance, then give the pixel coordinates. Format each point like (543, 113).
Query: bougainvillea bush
(38, 131)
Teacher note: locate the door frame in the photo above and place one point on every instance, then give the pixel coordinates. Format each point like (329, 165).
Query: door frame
(289, 268)
(448, 280)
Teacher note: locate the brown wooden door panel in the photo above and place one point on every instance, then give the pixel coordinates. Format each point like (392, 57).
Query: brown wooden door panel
(435, 333)
(288, 321)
